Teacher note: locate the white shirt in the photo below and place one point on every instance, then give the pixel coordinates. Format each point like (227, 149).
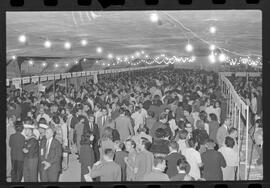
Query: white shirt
(194, 159)
(173, 126)
(230, 155)
(138, 120)
(50, 142)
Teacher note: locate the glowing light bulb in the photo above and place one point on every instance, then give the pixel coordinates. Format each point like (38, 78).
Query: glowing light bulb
(154, 17)
(213, 29)
(44, 64)
(22, 38)
(222, 57)
(84, 42)
(66, 65)
(56, 65)
(110, 56)
(14, 57)
(212, 58)
(67, 45)
(212, 47)
(31, 62)
(76, 62)
(47, 44)
(142, 52)
(99, 50)
(189, 47)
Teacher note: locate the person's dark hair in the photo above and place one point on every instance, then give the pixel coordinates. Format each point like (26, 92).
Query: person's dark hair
(18, 125)
(213, 117)
(203, 116)
(229, 142)
(160, 133)
(192, 142)
(122, 110)
(109, 152)
(42, 121)
(183, 134)
(28, 120)
(108, 133)
(56, 119)
(133, 143)
(174, 145)
(183, 164)
(181, 124)
(146, 143)
(158, 160)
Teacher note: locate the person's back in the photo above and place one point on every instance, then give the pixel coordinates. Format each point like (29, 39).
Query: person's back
(119, 159)
(155, 175)
(213, 129)
(172, 163)
(144, 162)
(107, 171)
(123, 126)
(16, 143)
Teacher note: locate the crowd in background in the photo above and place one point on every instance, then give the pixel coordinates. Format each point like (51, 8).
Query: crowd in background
(153, 125)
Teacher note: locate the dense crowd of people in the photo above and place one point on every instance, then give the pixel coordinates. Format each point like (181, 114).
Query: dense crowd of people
(153, 125)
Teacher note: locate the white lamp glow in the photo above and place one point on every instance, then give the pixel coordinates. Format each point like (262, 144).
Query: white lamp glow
(22, 38)
(31, 62)
(154, 17)
(189, 47)
(212, 47)
(84, 42)
(67, 45)
(222, 57)
(99, 50)
(56, 65)
(110, 56)
(213, 29)
(14, 57)
(44, 64)
(47, 44)
(212, 58)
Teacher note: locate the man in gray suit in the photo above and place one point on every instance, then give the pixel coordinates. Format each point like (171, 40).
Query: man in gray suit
(223, 132)
(50, 157)
(123, 125)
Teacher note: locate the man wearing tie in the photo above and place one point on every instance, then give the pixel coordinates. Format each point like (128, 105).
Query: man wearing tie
(102, 121)
(93, 129)
(50, 153)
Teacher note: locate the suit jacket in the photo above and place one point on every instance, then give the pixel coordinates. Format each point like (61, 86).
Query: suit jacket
(16, 144)
(55, 153)
(221, 134)
(124, 127)
(100, 126)
(107, 171)
(172, 164)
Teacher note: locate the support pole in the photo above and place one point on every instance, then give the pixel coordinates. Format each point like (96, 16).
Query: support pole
(247, 128)
(53, 87)
(239, 140)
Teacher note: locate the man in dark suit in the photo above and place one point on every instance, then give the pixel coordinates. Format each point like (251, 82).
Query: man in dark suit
(16, 144)
(92, 128)
(172, 159)
(50, 154)
(102, 121)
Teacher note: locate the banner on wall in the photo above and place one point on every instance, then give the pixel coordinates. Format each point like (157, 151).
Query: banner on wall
(26, 80)
(57, 77)
(79, 74)
(51, 77)
(43, 78)
(34, 79)
(68, 75)
(74, 74)
(7, 82)
(63, 75)
(17, 83)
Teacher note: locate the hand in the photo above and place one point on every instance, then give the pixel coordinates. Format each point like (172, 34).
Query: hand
(126, 159)
(97, 163)
(92, 138)
(89, 169)
(46, 165)
(25, 150)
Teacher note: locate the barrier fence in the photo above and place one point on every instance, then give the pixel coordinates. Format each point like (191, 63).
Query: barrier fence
(235, 109)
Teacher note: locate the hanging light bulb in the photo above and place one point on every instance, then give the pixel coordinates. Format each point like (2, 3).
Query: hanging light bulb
(67, 45)
(212, 47)
(56, 65)
(99, 50)
(84, 42)
(213, 29)
(110, 56)
(44, 64)
(22, 38)
(47, 44)
(67, 65)
(14, 57)
(31, 62)
(222, 57)
(154, 17)
(189, 47)
(212, 58)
